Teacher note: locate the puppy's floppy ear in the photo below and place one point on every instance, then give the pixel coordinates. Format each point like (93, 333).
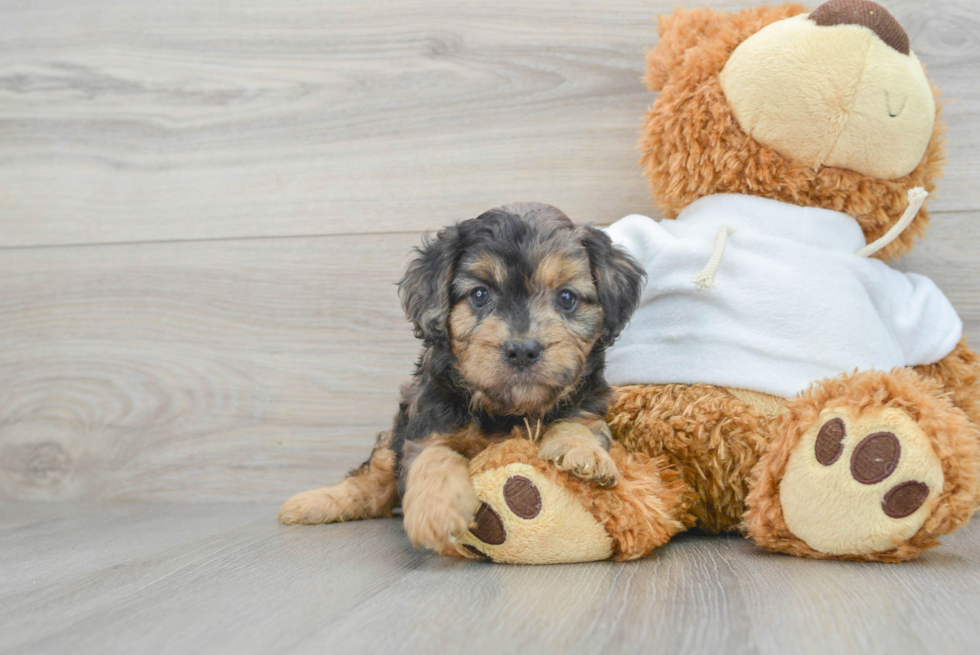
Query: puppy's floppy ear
(619, 280)
(424, 290)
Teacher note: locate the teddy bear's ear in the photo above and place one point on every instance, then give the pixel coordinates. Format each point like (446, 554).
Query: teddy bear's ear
(679, 32)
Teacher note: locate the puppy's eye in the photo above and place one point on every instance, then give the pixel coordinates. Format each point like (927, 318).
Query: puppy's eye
(567, 300)
(479, 297)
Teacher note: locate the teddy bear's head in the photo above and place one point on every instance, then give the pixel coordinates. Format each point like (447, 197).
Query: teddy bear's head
(829, 109)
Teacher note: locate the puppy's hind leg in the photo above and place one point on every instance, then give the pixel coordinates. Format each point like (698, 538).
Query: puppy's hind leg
(368, 492)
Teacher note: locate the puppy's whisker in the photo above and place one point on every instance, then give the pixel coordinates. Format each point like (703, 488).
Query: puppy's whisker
(537, 429)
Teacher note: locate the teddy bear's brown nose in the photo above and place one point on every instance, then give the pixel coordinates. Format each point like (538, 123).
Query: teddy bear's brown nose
(866, 13)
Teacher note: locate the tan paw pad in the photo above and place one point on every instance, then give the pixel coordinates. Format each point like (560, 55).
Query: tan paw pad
(526, 518)
(860, 485)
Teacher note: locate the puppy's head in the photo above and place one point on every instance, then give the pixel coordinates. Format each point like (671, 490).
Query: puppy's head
(521, 298)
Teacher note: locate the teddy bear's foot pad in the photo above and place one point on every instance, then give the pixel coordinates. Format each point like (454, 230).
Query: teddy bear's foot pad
(526, 518)
(488, 526)
(863, 484)
(521, 497)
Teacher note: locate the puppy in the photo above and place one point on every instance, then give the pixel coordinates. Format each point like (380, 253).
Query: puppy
(515, 309)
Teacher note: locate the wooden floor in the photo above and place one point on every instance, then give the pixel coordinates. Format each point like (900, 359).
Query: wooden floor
(203, 208)
(164, 578)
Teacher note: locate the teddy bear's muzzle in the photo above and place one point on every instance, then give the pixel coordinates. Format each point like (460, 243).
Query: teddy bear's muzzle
(839, 87)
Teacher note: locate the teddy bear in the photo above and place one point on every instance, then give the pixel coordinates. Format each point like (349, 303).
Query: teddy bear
(779, 378)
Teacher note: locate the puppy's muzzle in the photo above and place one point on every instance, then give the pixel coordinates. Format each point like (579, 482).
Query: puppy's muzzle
(522, 353)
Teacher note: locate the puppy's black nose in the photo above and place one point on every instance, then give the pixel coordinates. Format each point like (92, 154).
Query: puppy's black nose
(522, 353)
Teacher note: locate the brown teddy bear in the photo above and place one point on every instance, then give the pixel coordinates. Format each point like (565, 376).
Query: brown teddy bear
(795, 388)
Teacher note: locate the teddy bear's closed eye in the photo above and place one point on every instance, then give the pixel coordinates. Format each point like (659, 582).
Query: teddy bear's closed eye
(888, 105)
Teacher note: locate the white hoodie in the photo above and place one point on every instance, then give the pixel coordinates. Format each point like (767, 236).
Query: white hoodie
(791, 304)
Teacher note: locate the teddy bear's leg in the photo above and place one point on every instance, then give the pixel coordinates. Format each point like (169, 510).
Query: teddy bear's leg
(871, 466)
(711, 435)
(959, 374)
(532, 512)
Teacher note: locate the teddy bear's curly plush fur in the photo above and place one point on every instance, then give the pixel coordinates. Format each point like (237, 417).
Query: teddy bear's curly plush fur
(720, 459)
(685, 68)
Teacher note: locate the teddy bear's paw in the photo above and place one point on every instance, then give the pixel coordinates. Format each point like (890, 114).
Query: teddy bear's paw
(526, 518)
(860, 484)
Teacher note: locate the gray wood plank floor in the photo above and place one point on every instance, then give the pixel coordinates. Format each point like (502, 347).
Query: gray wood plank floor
(203, 207)
(210, 578)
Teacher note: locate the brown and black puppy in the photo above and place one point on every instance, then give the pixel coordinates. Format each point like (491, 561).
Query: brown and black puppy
(515, 309)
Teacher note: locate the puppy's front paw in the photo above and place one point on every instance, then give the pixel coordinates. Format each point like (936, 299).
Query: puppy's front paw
(438, 516)
(573, 448)
(589, 463)
(439, 503)
(434, 525)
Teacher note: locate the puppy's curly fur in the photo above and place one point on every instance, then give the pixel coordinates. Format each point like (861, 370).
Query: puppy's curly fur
(515, 309)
